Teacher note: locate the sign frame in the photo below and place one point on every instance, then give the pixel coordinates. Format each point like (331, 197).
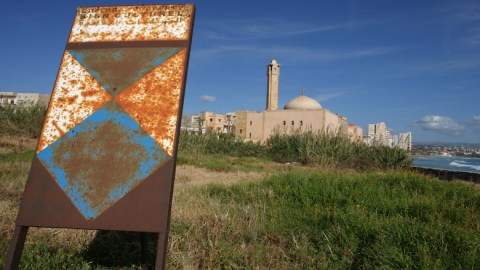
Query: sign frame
(109, 141)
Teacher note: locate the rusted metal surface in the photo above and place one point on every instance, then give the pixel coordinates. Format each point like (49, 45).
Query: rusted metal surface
(75, 96)
(132, 23)
(102, 158)
(106, 154)
(156, 111)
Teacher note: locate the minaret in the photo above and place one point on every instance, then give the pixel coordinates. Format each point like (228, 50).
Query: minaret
(273, 72)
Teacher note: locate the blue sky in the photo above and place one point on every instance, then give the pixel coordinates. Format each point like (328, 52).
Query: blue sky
(414, 65)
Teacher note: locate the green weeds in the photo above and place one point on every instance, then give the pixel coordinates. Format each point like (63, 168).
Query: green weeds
(308, 148)
(391, 220)
(25, 121)
(369, 216)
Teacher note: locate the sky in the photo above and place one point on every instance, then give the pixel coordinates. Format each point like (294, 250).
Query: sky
(414, 65)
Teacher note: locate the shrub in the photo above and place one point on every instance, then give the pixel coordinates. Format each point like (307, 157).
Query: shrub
(213, 143)
(22, 120)
(334, 150)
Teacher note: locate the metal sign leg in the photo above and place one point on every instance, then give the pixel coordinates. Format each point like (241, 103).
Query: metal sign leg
(16, 247)
(161, 251)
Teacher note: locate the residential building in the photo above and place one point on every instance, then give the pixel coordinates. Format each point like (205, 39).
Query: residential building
(24, 99)
(209, 122)
(405, 141)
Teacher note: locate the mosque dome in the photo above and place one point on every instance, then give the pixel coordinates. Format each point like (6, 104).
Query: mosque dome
(303, 103)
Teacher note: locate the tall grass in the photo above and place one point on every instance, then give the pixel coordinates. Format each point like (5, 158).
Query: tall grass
(376, 220)
(308, 148)
(22, 120)
(334, 150)
(213, 143)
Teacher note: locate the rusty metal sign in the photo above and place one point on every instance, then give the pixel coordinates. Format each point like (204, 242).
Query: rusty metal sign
(106, 155)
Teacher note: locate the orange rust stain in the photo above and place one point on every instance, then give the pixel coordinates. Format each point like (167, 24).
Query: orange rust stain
(153, 101)
(76, 95)
(54, 123)
(132, 23)
(71, 100)
(88, 93)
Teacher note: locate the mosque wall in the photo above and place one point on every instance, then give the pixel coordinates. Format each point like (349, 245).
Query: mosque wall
(240, 125)
(300, 114)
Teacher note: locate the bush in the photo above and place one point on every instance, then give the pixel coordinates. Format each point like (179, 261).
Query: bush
(308, 148)
(334, 150)
(22, 120)
(213, 143)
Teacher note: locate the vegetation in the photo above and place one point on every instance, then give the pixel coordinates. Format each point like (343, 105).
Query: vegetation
(196, 145)
(307, 148)
(385, 220)
(257, 206)
(25, 121)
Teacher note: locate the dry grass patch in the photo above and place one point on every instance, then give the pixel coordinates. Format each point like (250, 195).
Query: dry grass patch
(16, 143)
(188, 204)
(187, 176)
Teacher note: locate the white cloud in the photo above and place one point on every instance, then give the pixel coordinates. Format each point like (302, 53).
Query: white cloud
(441, 124)
(208, 99)
(323, 97)
(264, 28)
(474, 120)
(295, 54)
(459, 64)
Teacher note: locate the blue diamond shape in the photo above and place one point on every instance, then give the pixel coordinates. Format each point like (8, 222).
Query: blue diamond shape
(101, 159)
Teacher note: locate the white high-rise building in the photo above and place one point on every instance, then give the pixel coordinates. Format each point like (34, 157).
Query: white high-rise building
(378, 134)
(405, 141)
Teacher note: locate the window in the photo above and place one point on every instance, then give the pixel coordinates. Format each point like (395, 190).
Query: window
(293, 123)
(211, 119)
(219, 120)
(240, 131)
(284, 123)
(250, 123)
(250, 135)
(301, 122)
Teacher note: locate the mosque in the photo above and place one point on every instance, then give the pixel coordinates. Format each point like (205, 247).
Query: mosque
(300, 114)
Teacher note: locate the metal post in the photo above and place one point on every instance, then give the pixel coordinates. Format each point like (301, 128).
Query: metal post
(161, 251)
(16, 247)
(143, 251)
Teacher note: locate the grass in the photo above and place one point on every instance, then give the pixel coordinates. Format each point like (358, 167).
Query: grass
(292, 219)
(325, 149)
(387, 220)
(25, 121)
(307, 148)
(226, 163)
(351, 207)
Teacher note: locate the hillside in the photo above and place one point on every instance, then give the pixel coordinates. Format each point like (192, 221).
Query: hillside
(295, 203)
(267, 215)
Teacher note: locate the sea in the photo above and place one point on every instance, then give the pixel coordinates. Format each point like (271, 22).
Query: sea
(464, 164)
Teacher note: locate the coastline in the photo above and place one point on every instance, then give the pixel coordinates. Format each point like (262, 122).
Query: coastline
(448, 174)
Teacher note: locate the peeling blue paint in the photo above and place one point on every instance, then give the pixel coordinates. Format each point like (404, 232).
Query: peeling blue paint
(144, 150)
